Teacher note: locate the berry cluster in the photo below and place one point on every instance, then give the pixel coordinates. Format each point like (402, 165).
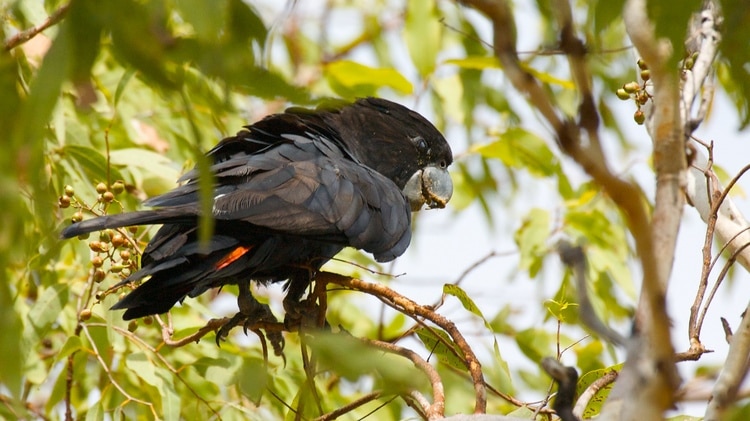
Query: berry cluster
(115, 250)
(637, 92)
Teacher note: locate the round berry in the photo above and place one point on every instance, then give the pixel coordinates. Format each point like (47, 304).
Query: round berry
(63, 201)
(639, 117)
(645, 74)
(631, 87)
(85, 314)
(108, 196)
(125, 255)
(118, 187)
(97, 262)
(101, 188)
(118, 240)
(622, 94)
(77, 217)
(99, 275)
(69, 191)
(132, 326)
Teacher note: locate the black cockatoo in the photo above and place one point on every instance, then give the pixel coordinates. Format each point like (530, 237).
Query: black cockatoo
(291, 191)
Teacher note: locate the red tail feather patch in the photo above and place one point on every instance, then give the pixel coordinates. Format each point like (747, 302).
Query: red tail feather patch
(232, 256)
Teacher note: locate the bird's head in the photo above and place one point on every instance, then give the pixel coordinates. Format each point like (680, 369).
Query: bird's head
(400, 144)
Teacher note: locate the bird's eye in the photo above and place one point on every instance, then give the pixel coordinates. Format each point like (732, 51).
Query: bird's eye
(420, 143)
(443, 164)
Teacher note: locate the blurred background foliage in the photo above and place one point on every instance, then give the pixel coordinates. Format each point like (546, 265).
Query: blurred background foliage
(129, 94)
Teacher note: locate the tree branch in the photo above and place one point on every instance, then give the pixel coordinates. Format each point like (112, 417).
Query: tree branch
(436, 409)
(348, 407)
(30, 33)
(412, 309)
(733, 372)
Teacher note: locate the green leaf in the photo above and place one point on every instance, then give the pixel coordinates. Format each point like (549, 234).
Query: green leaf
(95, 412)
(208, 19)
(244, 22)
(441, 345)
(531, 238)
(671, 17)
(142, 40)
(589, 356)
(466, 301)
(156, 172)
(536, 343)
(170, 400)
(48, 307)
(500, 323)
(140, 365)
(561, 310)
(491, 62)
(86, 32)
(593, 225)
(72, 344)
(253, 378)
(548, 78)
(126, 77)
(734, 70)
(423, 32)
(10, 347)
(349, 78)
(475, 62)
(219, 371)
(352, 359)
(606, 12)
(91, 163)
(518, 148)
(595, 404)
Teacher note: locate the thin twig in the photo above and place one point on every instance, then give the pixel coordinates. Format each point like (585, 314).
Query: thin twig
(351, 406)
(727, 330)
(112, 380)
(716, 203)
(719, 279)
(30, 33)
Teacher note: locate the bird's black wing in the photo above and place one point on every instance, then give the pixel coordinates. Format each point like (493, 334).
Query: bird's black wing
(306, 186)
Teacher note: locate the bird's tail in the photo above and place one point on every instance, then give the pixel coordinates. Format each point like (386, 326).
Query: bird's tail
(147, 217)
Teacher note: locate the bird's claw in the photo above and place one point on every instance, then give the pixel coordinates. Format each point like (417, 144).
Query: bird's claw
(224, 330)
(259, 313)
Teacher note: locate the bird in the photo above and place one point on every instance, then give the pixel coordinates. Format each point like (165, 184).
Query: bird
(290, 192)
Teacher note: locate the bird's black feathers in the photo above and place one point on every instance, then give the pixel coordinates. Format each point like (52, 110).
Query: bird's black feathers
(291, 191)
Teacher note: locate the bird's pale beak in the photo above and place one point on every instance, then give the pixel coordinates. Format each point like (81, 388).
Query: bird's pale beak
(431, 186)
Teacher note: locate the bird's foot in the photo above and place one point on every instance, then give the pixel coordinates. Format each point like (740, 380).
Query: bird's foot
(251, 313)
(303, 315)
